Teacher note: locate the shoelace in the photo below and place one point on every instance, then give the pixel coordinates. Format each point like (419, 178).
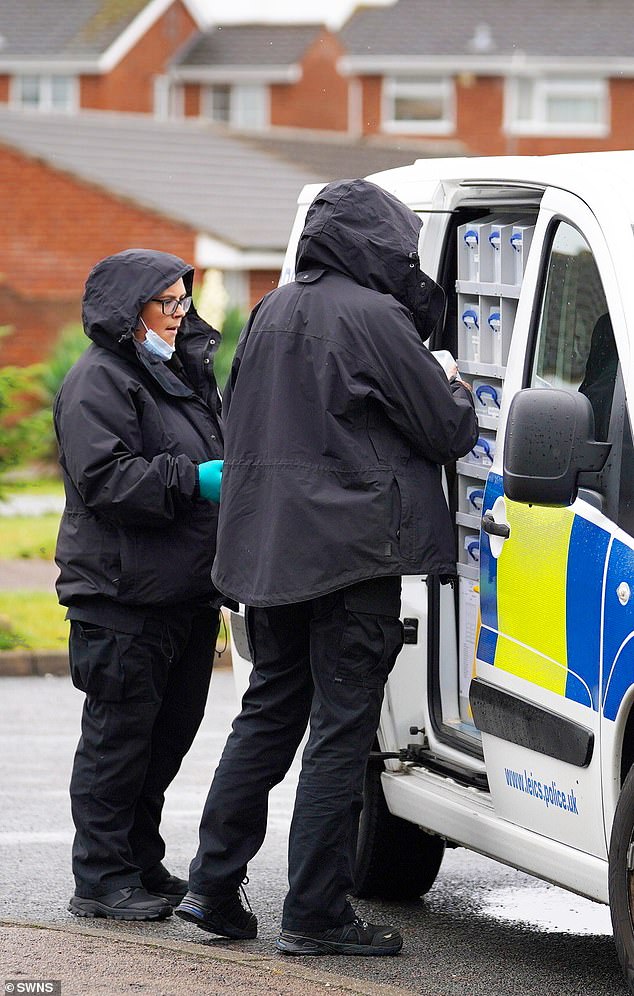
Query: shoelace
(245, 881)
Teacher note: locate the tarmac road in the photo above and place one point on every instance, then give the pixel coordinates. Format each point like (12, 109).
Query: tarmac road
(482, 929)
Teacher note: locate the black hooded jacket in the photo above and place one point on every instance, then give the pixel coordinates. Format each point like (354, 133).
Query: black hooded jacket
(338, 417)
(131, 430)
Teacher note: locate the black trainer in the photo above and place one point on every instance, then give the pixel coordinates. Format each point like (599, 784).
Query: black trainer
(226, 917)
(355, 938)
(124, 904)
(159, 882)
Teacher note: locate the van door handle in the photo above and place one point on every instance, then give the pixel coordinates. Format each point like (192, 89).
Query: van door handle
(493, 528)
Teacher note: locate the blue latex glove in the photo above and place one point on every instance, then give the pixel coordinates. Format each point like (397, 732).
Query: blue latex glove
(210, 479)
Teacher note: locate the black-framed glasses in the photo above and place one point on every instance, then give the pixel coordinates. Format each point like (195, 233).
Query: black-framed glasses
(170, 305)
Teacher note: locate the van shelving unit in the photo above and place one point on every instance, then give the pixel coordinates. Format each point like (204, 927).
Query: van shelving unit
(491, 256)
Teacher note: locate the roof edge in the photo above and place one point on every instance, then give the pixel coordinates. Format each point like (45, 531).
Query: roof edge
(139, 26)
(518, 63)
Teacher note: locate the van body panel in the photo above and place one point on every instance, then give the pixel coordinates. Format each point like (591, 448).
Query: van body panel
(467, 817)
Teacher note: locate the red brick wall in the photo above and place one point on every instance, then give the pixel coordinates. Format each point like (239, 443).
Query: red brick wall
(52, 238)
(34, 326)
(622, 101)
(129, 87)
(370, 104)
(320, 98)
(479, 114)
(260, 283)
(192, 100)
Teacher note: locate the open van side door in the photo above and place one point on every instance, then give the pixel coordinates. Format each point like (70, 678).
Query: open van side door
(549, 674)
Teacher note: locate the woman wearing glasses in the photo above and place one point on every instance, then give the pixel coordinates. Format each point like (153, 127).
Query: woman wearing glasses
(140, 440)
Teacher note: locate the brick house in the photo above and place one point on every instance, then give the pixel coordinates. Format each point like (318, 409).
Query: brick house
(91, 55)
(261, 76)
(500, 76)
(496, 77)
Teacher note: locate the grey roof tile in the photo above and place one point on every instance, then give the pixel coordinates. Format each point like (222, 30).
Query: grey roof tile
(251, 45)
(546, 28)
(63, 29)
(335, 157)
(191, 173)
(241, 190)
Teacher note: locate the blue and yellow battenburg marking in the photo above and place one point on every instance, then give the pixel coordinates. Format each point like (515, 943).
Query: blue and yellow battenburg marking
(541, 604)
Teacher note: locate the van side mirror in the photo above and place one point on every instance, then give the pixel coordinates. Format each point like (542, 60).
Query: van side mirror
(549, 441)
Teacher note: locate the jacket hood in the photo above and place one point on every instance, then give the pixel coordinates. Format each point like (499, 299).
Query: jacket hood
(369, 235)
(118, 287)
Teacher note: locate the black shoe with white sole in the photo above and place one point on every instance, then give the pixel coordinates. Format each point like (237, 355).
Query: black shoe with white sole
(355, 938)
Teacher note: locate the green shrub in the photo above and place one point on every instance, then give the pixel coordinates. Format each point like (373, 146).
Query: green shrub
(26, 425)
(26, 398)
(71, 344)
(234, 322)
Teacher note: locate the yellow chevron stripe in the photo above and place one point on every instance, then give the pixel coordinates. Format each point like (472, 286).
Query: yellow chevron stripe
(531, 595)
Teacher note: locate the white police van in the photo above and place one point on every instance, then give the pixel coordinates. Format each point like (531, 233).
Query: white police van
(508, 721)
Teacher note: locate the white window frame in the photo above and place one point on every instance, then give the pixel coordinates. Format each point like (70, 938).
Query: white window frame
(263, 111)
(545, 87)
(236, 92)
(169, 99)
(437, 88)
(45, 93)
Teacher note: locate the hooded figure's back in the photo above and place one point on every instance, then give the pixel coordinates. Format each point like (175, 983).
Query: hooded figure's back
(337, 415)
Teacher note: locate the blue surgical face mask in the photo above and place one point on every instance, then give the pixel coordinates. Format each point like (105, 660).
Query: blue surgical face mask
(154, 344)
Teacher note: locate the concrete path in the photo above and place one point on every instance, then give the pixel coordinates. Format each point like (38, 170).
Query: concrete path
(28, 575)
(89, 961)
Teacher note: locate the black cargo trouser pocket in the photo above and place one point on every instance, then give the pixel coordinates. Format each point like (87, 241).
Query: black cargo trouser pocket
(96, 664)
(372, 633)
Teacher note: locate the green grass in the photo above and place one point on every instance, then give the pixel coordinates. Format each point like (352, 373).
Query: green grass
(28, 536)
(10, 486)
(33, 620)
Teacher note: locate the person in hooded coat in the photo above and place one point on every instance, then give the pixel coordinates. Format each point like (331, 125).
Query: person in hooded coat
(338, 420)
(140, 444)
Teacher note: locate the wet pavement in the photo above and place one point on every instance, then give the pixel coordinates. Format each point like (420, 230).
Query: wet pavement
(483, 929)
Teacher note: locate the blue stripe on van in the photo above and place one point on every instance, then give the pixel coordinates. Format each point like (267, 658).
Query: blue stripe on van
(584, 581)
(487, 643)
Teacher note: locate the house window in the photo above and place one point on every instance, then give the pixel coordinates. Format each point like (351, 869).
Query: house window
(238, 106)
(218, 104)
(558, 106)
(45, 93)
(418, 104)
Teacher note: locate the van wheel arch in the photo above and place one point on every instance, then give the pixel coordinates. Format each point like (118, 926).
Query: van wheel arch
(621, 878)
(395, 858)
(627, 747)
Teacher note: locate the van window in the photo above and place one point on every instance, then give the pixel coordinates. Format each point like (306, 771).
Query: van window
(575, 348)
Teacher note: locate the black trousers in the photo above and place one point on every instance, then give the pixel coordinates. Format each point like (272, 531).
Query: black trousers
(145, 699)
(323, 661)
